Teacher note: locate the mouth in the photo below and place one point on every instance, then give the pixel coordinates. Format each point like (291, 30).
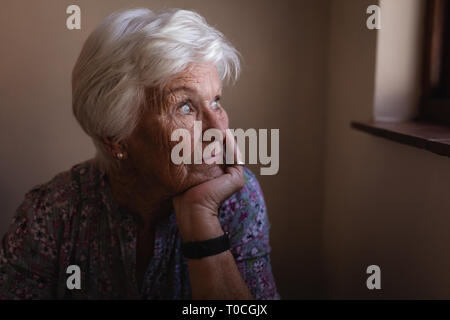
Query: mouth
(214, 158)
(214, 155)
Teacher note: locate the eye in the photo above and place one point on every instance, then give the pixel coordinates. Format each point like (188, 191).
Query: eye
(185, 108)
(216, 103)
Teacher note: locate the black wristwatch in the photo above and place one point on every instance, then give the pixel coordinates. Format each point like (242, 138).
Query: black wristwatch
(202, 249)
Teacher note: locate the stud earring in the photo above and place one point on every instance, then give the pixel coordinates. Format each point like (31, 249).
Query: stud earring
(120, 155)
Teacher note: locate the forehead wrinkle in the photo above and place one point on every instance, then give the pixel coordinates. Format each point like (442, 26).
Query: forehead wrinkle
(193, 79)
(181, 89)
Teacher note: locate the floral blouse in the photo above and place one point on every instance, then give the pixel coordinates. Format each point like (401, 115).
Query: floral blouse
(74, 220)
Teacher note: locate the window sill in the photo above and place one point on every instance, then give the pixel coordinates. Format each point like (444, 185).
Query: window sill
(432, 137)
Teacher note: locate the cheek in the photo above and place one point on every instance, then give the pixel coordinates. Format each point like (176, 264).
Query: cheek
(224, 119)
(171, 175)
(158, 134)
(148, 146)
(172, 124)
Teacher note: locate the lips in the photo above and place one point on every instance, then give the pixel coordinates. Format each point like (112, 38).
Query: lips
(215, 155)
(213, 159)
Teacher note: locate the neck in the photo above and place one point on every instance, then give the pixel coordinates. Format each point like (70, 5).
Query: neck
(146, 199)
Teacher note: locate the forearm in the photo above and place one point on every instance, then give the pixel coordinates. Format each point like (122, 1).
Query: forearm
(217, 277)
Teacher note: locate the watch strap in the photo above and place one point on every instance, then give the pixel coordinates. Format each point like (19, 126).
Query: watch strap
(202, 249)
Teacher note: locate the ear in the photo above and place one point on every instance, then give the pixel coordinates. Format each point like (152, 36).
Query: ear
(114, 148)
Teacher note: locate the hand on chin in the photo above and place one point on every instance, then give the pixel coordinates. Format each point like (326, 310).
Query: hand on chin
(204, 173)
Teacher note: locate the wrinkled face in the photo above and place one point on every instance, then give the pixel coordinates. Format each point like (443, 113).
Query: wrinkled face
(192, 95)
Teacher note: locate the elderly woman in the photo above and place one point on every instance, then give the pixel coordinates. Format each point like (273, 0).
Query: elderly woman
(130, 223)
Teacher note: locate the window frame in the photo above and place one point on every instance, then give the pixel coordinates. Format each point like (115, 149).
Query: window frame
(435, 98)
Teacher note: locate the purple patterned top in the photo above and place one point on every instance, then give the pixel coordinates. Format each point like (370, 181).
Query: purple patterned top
(74, 220)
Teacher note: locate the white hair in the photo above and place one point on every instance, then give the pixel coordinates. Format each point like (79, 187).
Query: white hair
(133, 50)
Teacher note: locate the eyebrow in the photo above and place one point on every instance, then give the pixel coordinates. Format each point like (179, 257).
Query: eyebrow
(183, 88)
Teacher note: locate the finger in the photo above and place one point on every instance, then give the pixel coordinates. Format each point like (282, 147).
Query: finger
(227, 184)
(236, 173)
(232, 148)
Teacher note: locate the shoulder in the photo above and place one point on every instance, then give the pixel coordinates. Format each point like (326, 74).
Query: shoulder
(244, 217)
(47, 207)
(63, 190)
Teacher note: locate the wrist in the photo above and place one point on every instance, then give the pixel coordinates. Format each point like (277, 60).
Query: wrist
(207, 248)
(198, 224)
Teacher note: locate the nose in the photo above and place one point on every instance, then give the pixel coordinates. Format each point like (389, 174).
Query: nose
(214, 119)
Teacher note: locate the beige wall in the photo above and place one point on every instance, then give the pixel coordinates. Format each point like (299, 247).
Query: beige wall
(385, 203)
(284, 45)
